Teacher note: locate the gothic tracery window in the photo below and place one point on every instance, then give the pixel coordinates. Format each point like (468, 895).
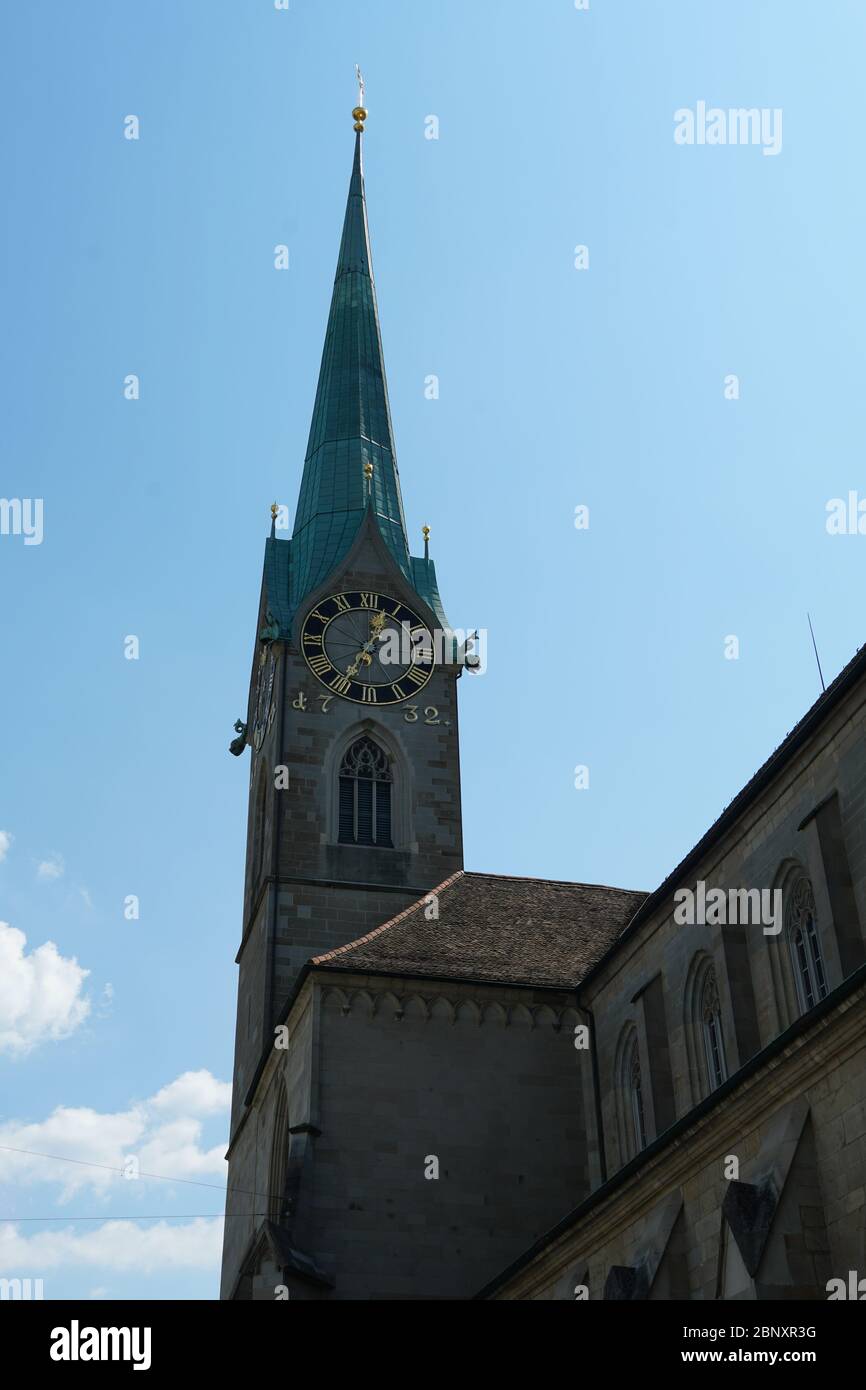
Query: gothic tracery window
(365, 795)
(634, 1116)
(711, 1027)
(801, 926)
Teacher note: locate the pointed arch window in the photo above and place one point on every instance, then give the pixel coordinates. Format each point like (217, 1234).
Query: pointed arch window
(632, 1111)
(278, 1206)
(635, 1082)
(711, 1027)
(365, 795)
(801, 925)
(260, 807)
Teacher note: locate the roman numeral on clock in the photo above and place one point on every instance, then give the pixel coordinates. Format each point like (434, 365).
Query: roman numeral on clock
(320, 665)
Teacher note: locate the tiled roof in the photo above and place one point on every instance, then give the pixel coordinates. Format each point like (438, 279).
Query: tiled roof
(525, 931)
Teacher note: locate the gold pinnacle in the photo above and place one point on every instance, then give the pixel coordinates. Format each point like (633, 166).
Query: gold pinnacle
(274, 510)
(425, 531)
(368, 471)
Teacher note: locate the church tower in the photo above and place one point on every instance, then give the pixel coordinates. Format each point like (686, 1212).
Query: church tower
(354, 791)
(403, 1027)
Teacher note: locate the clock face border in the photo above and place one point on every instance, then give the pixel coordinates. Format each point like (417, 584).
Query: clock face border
(264, 704)
(357, 692)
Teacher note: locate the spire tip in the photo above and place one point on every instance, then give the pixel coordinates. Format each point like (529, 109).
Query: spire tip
(360, 111)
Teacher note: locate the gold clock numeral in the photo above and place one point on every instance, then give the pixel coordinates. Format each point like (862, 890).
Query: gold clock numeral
(346, 681)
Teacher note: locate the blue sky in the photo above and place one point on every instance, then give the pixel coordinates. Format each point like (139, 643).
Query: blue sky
(558, 388)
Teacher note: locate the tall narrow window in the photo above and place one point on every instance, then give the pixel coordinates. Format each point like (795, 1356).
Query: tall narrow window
(711, 1026)
(634, 1083)
(807, 958)
(365, 795)
(278, 1174)
(259, 827)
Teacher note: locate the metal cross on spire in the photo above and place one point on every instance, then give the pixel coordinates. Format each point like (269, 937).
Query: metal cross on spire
(360, 111)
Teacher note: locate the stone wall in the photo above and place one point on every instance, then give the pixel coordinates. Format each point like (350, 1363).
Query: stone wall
(796, 1128)
(478, 1078)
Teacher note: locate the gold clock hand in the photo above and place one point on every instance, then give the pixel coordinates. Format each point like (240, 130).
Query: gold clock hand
(363, 656)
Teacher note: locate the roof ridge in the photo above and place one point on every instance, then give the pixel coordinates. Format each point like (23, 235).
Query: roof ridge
(553, 882)
(377, 931)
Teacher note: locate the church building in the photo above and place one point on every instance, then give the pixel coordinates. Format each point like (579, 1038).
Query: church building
(451, 1084)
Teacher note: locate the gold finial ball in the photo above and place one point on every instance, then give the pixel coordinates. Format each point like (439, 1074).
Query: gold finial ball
(425, 530)
(368, 471)
(360, 113)
(274, 510)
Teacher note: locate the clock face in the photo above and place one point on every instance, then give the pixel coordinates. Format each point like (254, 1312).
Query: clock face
(368, 648)
(264, 708)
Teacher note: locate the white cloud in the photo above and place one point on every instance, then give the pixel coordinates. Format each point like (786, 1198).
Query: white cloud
(40, 993)
(160, 1139)
(5, 841)
(194, 1093)
(51, 868)
(117, 1245)
(86, 899)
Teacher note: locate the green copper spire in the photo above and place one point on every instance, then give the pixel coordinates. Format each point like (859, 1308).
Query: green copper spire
(351, 418)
